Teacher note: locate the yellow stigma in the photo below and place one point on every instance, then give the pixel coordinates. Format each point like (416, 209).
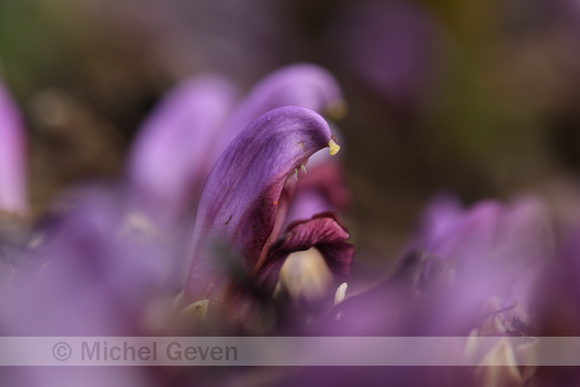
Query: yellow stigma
(334, 147)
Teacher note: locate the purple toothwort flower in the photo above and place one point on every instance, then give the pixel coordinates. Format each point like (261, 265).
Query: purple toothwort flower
(184, 137)
(103, 263)
(468, 272)
(194, 124)
(302, 84)
(244, 202)
(13, 191)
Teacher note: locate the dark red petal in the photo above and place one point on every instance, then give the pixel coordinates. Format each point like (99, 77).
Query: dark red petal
(325, 232)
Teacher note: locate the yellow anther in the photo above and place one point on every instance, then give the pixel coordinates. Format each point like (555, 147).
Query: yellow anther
(334, 147)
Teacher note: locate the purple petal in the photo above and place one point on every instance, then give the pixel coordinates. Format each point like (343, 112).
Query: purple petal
(305, 204)
(558, 294)
(442, 214)
(325, 232)
(303, 84)
(13, 190)
(239, 203)
(322, 188)
(170, 159)
(490, 255)
(475, 234)
(87, 278)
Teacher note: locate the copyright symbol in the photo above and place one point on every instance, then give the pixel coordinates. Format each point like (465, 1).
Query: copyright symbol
(61, 351)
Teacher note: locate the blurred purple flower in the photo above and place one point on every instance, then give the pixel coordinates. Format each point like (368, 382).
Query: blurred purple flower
(171, 156)
(468, 272)
(492, 256)
(463, 261)
(89, 272)
(13, 177)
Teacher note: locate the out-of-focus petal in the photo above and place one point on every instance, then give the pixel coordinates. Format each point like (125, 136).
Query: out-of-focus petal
(171, 157)
(13, 179)
(442, 214)
(87, 278)
(471, 269)
(239, 203)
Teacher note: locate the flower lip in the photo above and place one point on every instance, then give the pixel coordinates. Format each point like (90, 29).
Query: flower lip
(323, 231)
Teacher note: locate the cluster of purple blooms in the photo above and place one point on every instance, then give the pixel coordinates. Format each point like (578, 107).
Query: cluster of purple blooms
(228, 222)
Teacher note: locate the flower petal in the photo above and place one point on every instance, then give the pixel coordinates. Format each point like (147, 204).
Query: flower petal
(325, 232)
(13, 191)
(323, 188)
(302, 84)
(169, 161)
(239, 203)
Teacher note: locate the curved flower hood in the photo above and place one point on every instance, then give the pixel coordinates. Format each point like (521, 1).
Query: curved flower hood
(243, 200)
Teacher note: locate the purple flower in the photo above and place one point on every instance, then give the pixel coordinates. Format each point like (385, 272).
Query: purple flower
(467, 272)
(170, 159)
(499, 249)
(86, 271)
(559, 294)
(244, 202)
(90, 271)
(184, 137)
(104, 263)
(13, 190)
(108, 263)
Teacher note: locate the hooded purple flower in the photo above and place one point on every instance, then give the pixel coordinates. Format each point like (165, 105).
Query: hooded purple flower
(13, 191)
(184, 137)
(101, 266)
(244, 202)
(167, 175)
